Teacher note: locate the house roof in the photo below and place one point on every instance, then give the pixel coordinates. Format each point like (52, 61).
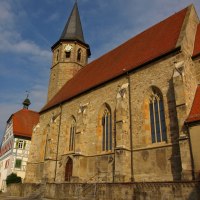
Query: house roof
(154, 42)
(195, 110)
(196, 51)
(24, 121)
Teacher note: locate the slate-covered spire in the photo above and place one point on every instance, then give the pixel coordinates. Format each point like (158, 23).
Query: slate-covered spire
(73, 28)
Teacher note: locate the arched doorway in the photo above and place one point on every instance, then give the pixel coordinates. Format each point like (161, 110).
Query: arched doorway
(68, 169)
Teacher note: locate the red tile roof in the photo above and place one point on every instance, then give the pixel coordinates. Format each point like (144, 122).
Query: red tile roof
(145, 47)
(197, 43)
(195, 110)
(24, 121)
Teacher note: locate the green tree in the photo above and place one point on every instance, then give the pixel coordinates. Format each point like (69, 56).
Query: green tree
(13, 178)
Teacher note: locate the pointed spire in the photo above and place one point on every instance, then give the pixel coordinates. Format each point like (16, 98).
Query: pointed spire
(73, 28)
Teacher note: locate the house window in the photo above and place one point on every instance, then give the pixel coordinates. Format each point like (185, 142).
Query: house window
(72, 135)
(157, 118)
(79, 55)
(18, 163)
(106, 131)
(21, 144)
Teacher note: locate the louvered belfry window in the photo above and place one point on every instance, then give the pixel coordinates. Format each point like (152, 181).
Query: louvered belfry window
(106, 131)
(157, 118)
(79, 55)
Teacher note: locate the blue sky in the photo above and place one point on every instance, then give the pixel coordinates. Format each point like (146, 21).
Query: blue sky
(28, 29)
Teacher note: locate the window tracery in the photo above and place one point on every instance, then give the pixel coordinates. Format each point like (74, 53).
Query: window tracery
(157, 117)
(106, 131)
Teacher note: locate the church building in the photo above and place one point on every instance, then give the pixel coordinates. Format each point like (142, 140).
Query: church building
(132, 115)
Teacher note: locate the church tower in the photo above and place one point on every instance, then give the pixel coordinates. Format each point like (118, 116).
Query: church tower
(70, 53)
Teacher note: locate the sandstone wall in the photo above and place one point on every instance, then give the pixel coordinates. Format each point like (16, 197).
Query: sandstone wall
(117, 191)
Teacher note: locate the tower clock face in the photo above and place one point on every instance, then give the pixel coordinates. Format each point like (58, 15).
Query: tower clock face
(68, 48)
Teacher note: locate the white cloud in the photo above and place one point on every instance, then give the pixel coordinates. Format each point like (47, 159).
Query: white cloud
(6, 110)
(6, 15)
(38, 96)
(53, 17)
(19, 46)
(13, 43)
(11, 40)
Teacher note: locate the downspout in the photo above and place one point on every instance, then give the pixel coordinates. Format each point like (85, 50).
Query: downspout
(131, 126)
(113, 168)
(58, 139)
(191, 153)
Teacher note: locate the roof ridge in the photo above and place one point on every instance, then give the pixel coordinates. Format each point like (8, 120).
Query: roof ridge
(188, 119)
(138, 34)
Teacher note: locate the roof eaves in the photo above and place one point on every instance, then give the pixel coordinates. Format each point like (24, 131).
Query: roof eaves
(193, 117)
(72, 40)
(196, 56)
(18, 135)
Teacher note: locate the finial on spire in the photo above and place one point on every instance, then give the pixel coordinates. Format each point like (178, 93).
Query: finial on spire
(26, 102)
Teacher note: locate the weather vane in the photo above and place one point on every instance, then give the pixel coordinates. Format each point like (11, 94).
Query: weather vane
(27, 92)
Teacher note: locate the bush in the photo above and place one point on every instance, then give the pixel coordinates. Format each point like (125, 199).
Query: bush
(13, 178)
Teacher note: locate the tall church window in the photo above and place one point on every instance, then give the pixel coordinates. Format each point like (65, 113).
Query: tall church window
(157, 117)
(106, 130)
(72, 135)
(79, 55)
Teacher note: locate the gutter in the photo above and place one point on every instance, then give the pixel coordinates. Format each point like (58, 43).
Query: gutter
(58, 139)
(191, 153)
(196, 56)
(131, 126)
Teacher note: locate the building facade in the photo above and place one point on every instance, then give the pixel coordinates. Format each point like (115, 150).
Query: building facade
(122, 117)
(16, 143)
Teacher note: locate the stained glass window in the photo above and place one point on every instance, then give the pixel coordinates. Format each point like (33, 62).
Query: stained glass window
(107, 131)
(157, 118)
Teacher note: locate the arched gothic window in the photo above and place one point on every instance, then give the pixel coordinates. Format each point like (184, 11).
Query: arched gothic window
(106, 130)
(79, 55)
(157, 117)
(72, 134)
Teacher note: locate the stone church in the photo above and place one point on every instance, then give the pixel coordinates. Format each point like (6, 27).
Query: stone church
(132, 115)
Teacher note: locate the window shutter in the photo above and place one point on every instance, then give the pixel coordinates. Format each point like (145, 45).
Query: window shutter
(17, 142)
(24, 145)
